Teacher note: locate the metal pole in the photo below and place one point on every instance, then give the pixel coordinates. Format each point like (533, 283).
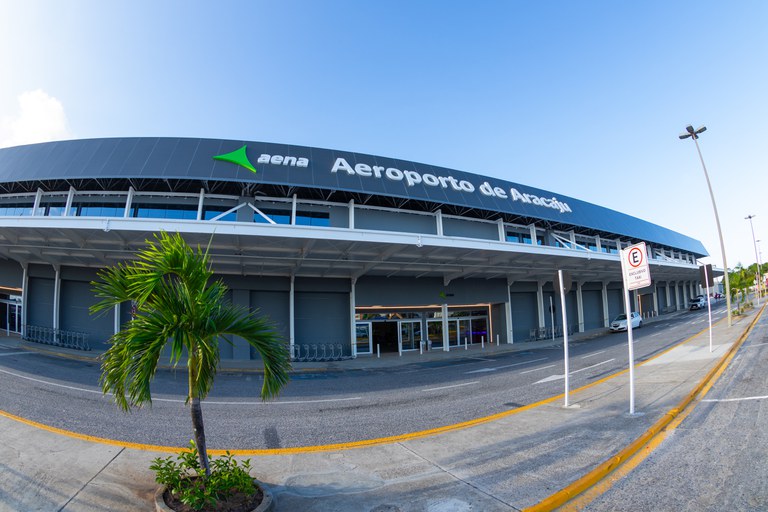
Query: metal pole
(565, 335)
(757, 260)
(719, 232)
(709, 307)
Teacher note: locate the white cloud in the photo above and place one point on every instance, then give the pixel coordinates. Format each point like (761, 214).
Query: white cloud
(40, 118)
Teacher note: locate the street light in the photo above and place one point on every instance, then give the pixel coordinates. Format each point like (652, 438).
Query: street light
(694, 134)
(757, 259)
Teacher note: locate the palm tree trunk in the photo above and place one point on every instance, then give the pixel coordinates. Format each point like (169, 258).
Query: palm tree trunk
(197, 424)
(196, 410)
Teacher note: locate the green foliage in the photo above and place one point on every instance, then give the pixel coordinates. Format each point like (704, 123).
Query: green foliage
(186, 479)
(176, 301)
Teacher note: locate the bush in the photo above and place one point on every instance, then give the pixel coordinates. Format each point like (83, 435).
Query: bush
(187, 482)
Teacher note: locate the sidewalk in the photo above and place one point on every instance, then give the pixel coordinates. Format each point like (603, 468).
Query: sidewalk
(510, 463)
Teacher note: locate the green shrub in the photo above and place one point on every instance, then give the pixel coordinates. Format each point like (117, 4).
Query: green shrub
(186, 480)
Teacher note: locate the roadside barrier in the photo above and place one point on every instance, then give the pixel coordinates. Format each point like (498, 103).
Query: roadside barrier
(57, 337)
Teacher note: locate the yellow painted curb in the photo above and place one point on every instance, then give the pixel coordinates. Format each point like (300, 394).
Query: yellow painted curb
(590, 479)
(339, 446)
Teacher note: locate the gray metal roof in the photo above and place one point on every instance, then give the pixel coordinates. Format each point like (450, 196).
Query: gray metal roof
(187, 159)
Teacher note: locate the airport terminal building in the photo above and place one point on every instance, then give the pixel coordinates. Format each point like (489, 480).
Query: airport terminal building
(345, 252)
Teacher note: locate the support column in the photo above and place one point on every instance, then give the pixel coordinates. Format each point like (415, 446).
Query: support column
(439, 220)
(606, 317)
(351, 221)
(655, 301)
(56, 296)
(508, 310)
(24, 298)
(669, 297)
(540, 301)
(117, 318)
(444, 309)
(352, 302)
(580, 305)
(200, 203)
(291, 316)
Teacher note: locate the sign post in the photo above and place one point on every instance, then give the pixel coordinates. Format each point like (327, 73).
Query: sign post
(706, 273)
(563, 283)
(636, 274)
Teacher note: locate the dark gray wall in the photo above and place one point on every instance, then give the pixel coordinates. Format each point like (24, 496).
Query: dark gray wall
(615, 303)
(76, 298)
(40, 302)
(470, 229)
(395, 221)
(524, 315)
(593, 308)
(322, 318)
(274, 305)
(11, 274)
(371, 291)
(661, 293)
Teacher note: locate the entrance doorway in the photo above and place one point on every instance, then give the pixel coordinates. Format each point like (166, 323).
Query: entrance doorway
(385, 335)
(410, 334)
(10, 316)
(363, 339)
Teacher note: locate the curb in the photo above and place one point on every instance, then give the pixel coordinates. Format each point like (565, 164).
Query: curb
(587, 481)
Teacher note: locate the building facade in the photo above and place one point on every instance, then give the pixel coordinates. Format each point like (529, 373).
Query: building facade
(347, 253)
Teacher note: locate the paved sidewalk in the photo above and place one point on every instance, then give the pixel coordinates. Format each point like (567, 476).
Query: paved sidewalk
(510, 463)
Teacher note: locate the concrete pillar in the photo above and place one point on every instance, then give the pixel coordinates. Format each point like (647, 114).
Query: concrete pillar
(606, 318)
(540, 301)
(677, 296)
(580, 305)
(352, 302)
(508, 310)
(669, 298)
(24, 298)
(291, 316)
(444, 309)
(56, 296)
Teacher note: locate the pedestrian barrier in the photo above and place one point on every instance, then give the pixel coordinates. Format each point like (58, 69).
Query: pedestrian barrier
(56, 337)
(319, 352)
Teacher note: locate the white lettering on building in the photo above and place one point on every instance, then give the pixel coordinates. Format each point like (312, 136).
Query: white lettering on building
(413, 178)
(290, 161)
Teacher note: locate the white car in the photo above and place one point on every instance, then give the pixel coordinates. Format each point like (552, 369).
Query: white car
(620, 322)
(699, 302)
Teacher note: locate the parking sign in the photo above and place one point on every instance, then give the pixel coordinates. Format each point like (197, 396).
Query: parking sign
(634, 267)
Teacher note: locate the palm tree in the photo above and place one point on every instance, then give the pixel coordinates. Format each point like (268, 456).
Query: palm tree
(176, 303)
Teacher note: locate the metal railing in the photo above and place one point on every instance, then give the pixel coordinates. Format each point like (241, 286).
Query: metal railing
(319, 352)
(57, 337)
(543, 333)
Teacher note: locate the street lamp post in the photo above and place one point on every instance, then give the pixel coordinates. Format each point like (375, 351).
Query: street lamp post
(694, 134)
(759, 275)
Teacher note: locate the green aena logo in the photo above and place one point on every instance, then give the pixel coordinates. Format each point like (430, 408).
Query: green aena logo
(240, 157)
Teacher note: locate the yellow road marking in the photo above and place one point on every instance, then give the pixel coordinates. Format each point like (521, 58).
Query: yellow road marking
(584, 490)
(338, 446)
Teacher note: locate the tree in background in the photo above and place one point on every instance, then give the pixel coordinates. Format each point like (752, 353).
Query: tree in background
(176, 303)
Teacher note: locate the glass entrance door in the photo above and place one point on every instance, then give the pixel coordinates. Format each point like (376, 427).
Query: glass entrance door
(12, 315)
(363, 337)
(410, 334)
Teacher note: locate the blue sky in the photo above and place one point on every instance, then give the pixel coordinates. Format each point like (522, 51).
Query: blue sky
(582, 98)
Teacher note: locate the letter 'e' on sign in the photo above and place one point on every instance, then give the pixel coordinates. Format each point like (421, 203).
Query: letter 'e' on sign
(634, 267)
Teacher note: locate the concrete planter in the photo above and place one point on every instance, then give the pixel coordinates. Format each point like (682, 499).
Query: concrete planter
(267, 504)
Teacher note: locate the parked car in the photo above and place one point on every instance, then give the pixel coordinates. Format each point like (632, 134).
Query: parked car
(620, 322)
(699, 302)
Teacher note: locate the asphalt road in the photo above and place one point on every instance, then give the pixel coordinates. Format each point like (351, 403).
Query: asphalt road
(716, 459)
(327, 407)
